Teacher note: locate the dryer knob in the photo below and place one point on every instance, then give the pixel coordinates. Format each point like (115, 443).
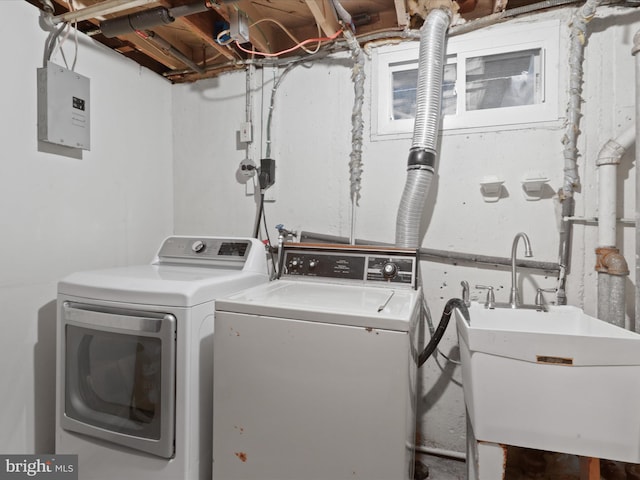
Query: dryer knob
(389, 270)
(198, 246)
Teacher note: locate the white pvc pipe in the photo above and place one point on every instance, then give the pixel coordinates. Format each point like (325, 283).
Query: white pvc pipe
(99, 9)
(608, 161)
(634, 51)
(440, 452)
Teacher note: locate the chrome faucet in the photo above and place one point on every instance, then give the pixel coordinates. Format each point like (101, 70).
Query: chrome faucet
(514, 297)
(465, 293)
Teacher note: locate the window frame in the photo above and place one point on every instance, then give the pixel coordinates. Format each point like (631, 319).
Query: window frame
(498, 39)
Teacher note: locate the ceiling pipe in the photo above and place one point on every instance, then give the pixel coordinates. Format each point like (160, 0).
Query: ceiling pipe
(99, 9)
(146, 19)
(166, 47)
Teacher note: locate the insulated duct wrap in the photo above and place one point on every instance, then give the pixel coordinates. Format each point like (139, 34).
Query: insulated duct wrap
(422, 156)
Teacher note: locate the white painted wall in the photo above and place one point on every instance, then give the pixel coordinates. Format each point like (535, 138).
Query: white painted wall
(113, 206)
(311, 135)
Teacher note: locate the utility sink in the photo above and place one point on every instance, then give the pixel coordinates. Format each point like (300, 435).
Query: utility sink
(559, 381)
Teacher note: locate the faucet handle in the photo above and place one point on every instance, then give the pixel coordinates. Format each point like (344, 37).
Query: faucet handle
(491, 298)
(539, 298)
(465, 293)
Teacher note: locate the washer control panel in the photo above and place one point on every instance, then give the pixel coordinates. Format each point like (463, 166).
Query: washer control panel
(371, 265)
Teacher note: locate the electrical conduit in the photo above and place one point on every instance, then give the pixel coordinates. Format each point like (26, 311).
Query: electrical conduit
(422, 156)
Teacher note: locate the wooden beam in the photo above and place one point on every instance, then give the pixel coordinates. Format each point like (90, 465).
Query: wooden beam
(589, 468)
(153, 52)
(204, 32)
(325, 15)
(401, 13)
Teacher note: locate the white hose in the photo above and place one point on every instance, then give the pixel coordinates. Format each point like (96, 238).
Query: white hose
(422, 156)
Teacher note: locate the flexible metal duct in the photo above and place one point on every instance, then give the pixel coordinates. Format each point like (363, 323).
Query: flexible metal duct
(422, 156)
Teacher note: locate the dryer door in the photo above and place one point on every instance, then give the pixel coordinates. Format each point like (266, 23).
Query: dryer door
(118, 380)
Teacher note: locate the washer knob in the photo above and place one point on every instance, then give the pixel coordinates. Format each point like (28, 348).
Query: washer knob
(198, 246)
(313, 264)
(389, 270)
(295, 263)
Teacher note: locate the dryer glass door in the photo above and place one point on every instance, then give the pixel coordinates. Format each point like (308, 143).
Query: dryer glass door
(119, 376)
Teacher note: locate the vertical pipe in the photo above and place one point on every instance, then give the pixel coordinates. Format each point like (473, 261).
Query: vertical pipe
(570, 139)
(634, 51)
(610, 264)
(357, 124)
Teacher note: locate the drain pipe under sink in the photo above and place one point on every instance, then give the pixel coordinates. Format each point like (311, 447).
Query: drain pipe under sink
(422, 155)
(610, 263)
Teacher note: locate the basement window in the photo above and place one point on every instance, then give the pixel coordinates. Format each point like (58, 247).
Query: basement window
(489, 80)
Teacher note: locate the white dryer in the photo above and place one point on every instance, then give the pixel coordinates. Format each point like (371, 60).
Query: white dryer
(134, 370)
(315, 373)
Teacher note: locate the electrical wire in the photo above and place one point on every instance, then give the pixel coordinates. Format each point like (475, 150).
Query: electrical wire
(51, 42)
(276, 84)
(262, 218)
(224, 42)
(289, 50)
(289, 34)
(59, 43)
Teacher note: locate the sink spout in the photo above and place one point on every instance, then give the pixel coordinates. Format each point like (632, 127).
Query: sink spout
(514, 296)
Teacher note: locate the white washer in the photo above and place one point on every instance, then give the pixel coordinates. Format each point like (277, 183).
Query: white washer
(315, 373)
(134, 368)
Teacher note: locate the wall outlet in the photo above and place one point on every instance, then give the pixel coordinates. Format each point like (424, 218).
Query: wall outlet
(247, 168)
(246, 131)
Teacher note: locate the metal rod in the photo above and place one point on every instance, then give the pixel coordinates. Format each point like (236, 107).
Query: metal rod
(440, 452)
(441, 255)
(165, 46)
(99, 9)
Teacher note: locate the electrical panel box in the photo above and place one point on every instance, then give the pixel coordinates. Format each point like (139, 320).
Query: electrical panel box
(63, 107)
(239, 26)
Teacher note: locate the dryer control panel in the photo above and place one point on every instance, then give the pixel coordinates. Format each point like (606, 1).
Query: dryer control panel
(209, 251)
(351, 263)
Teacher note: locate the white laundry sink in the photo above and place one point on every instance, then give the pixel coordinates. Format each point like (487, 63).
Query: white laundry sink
(559, 381)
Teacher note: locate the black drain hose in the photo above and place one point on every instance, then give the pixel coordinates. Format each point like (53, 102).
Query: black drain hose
(442, 326)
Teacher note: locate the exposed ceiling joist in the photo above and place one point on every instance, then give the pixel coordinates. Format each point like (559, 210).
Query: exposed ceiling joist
(184, 45)
(204, 31)
(401, 13)
(325, 15)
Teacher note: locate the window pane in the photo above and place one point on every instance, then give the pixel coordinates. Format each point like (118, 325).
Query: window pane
(404, 92)
(504, 80)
